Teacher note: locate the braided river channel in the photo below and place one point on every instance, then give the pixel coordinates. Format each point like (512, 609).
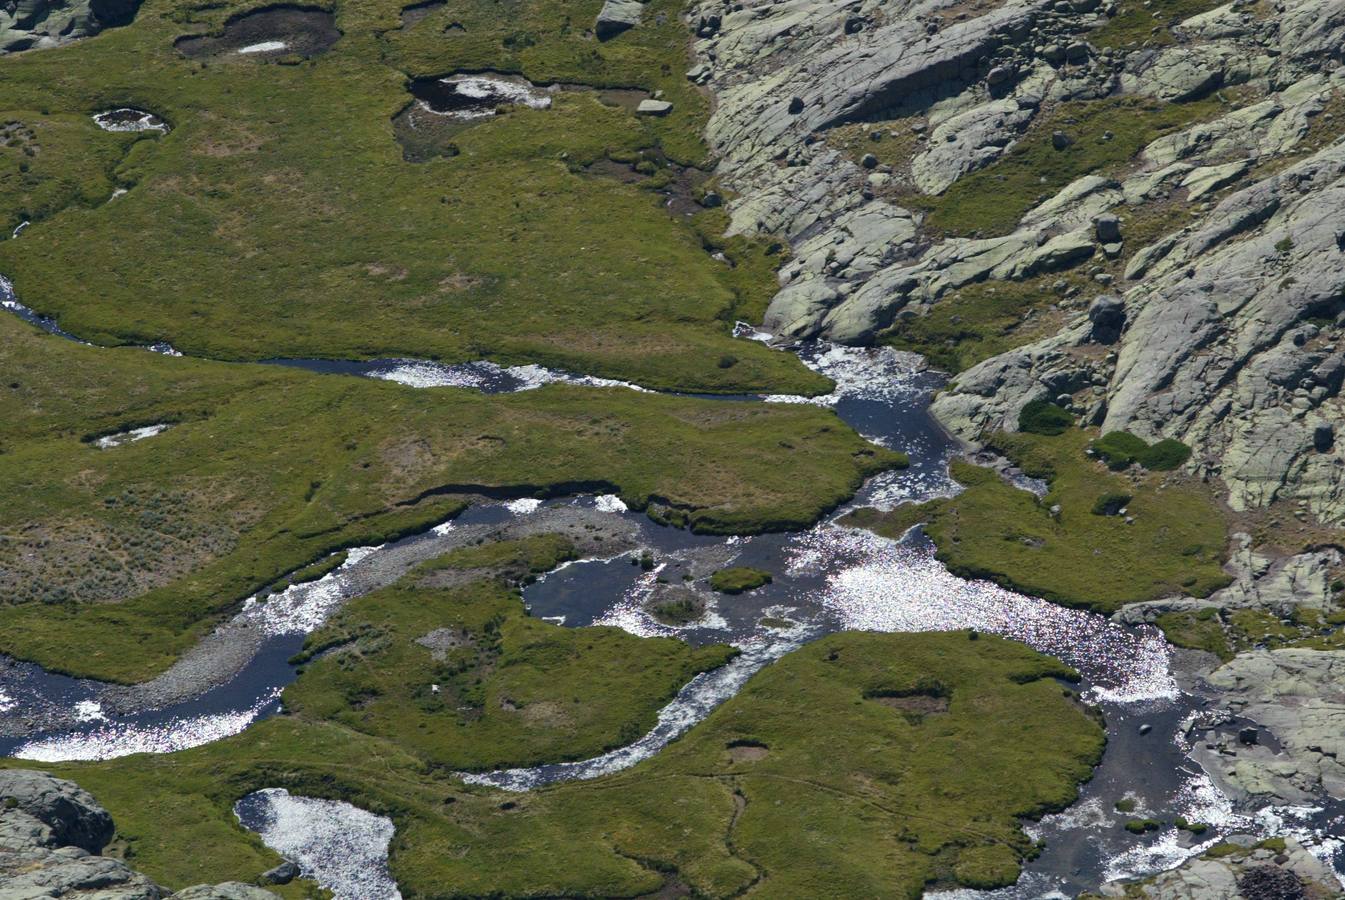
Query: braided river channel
(828, 578)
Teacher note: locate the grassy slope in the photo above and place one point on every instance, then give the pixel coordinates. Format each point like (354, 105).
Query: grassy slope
(993, 530)
(269, 468)
(279, 219)
(855, 799)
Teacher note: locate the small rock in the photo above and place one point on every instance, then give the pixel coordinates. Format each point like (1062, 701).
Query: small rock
(999, 75)
(284, 873)
(1146, 728)
(869, 161)
(1060, 140)
(711, 200)
(1323, 437)
(653, 108)
(795, 106)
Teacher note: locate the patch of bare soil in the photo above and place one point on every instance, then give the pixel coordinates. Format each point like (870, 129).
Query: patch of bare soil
(748, 751)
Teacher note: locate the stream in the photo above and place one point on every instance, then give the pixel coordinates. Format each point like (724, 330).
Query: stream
(828, 578)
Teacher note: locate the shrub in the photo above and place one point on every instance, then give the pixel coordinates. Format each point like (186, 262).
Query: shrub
(1165, 455)
(1140, 826)
(1044, 417)
(1118, 449)
(738, 579)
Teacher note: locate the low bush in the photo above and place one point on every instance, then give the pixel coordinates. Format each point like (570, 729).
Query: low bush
(1044, 417)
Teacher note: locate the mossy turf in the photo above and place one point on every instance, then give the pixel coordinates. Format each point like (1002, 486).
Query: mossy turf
(1147, 24)
(976, 322)
(852, 799)
(279, 219)
(1171, 541)
(463, 679)
(738, 579)
(114, 561)
(1226, 633)
(992, 200)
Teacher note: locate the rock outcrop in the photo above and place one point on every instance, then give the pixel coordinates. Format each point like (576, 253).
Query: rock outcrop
(51, 831)
(1225, 333)
(1255, 872)
(1298, 696)
(36, 24)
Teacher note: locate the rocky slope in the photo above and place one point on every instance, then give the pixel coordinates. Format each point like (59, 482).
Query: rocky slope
(1227, 334)
(51, 832)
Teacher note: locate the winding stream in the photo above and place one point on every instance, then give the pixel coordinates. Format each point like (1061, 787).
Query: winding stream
(829, 578)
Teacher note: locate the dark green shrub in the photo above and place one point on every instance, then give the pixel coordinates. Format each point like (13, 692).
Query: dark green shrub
(1140, 826)
(1044, 417)
(1165, 455)
(1118, 449)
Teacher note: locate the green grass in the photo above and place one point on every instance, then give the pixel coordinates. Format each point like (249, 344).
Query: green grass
(1138, 24)
(52, 161)
(279, 218)
(738, 579)
(1174, 545)
(853, 799)
(512, 560)
(1226, 633)
(993, 199)
(977, 322)
(268, 469)
(511, 690)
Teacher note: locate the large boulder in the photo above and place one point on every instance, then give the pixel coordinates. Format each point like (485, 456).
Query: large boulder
(74, 817)
(617, 16)
(27, 24)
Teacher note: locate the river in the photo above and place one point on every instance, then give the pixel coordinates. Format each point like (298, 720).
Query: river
(828, 578)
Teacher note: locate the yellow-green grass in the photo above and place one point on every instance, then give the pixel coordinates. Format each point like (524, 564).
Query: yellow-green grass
(992, 200)
(1171, 541)
(502, 689)
(278, 218)
(855, 798)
